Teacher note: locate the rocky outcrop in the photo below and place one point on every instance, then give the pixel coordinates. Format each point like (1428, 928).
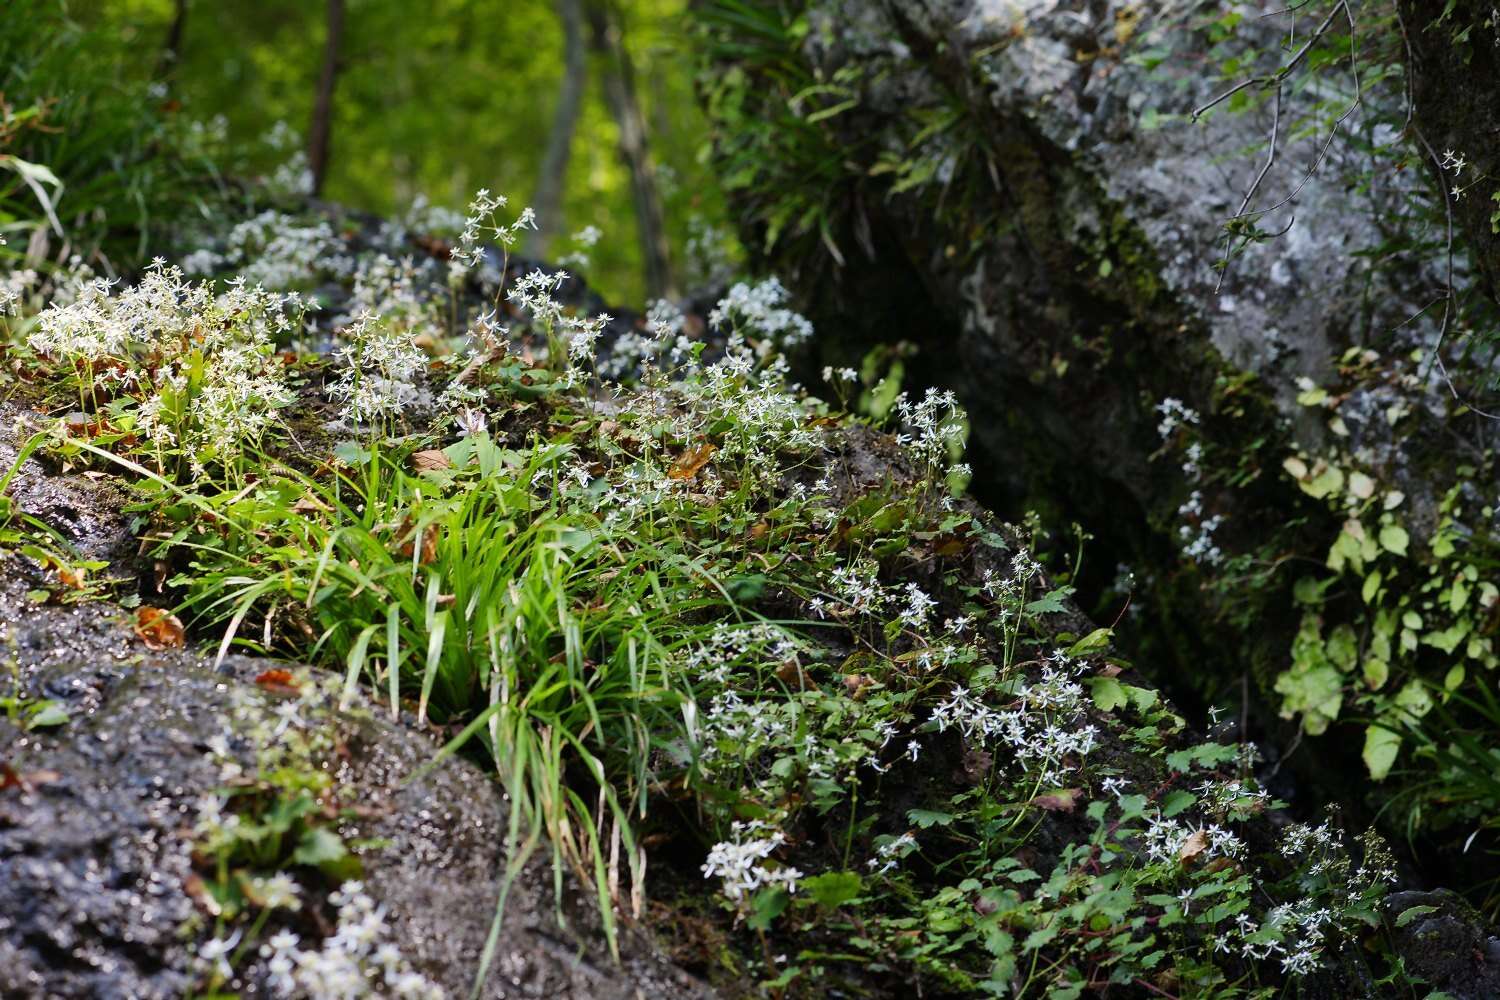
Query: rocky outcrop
(1027, 195)
(100, 887)
(1453, 53)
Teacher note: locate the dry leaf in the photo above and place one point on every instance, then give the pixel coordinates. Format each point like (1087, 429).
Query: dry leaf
(70, 577)
(855, 684)
(1195, 845)
(796, 678)
(429, 541)
(277, 680)
(977, 764)
(691, 461)
(158, 629)
(426, 461)
(10, 778)
(310, 505)
(1059, 800)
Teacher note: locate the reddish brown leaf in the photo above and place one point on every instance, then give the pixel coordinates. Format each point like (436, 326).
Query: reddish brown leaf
(11, 778)
(429, 541)
(796, 678)
(277, 680)
(1059, 800)
(690, 462)
(158, 629)
(855, 684)
(976, 765)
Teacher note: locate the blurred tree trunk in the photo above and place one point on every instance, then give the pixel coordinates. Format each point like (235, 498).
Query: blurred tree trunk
(171, 52)
(607, 37)
(320, 134)
(553, 176)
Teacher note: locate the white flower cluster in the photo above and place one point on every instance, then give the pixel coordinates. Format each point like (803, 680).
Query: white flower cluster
(740, 862)
(761, 310)
(1198, 539)
(358, 960)
(395, 291)
(729, 646)
(1223, 796)
(380, 371)
(856, 588)
(917, 609)
(1043, 728)
(1295, 931)
(1174, 414)
(747, 726)
(217, 383)
(1192, 464)
(583, 241)
(422, 217)
(632, 352)
(533, 293)
(481, 220)
(932, 427)
(832, 375)
(889, 854)
(293, 177)
(279, 251)
(1166, 839)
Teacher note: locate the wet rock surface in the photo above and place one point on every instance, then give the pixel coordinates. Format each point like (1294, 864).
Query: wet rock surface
(96, 821)
(1444, 941)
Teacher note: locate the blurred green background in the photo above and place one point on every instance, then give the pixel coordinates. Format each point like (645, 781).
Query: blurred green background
(439, 98)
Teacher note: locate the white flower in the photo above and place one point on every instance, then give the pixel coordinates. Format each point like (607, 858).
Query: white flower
(380, 369)
(759, 309)
(738, 862)
(215, 954)
(471, 421)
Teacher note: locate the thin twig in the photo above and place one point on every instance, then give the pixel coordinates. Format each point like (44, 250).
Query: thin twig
(1450, 296)
(1277, 81)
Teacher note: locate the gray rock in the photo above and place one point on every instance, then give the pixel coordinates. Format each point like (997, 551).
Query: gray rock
(1445, 943)
(96, 852)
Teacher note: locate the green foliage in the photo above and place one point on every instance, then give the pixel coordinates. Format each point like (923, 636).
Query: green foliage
(436, 104)
(91, 163)
(772, 145)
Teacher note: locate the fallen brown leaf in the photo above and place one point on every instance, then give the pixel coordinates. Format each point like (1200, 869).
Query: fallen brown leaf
(429, 541)
(1194, 846)
(427, 461)
(158, 629)
(1059, 800)
(277, 680)
(11, 778)
(796, 678)
(691, 461)
(855, 685)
